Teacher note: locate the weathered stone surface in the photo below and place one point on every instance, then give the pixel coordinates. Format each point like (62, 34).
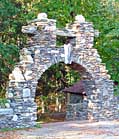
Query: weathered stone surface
(26, 92)
(17, 74)
(15, 118)
(80, 19)
(10, 95)
(7, 105)
(29, 29)
(65, 32)
(6, 111)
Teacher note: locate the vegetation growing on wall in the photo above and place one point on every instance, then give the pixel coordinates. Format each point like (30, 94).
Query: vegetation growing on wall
(8, 56)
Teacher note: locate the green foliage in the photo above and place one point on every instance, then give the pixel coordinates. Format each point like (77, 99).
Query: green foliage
(9, 26)
(51, 84)
(7, 129)
(103, 13)
(108, 42)
(38, 125)
(2, 102)
(13, 129)
(56, 78)
(8, 57)
(116, 90)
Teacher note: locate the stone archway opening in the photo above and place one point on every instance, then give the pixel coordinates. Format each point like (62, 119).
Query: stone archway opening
(51, 101)
(62, 94)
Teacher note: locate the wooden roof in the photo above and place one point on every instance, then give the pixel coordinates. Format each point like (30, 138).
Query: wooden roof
(77, 88)
(77, 67)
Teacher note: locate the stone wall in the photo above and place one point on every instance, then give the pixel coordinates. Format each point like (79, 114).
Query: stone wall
(6, 118)
(77, 112)
(42, 52)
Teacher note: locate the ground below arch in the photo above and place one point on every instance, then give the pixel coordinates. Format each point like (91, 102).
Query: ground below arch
(68, 130)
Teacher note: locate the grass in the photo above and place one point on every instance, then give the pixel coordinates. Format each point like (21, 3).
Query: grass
(38, 125)
(13, 129)
(9, 129)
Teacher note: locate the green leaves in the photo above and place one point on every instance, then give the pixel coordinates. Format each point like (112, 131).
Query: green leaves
(8, 57)
(57, 77)
(104, 15)
(3, 101)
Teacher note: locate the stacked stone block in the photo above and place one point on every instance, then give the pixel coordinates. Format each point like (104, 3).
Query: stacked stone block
(41, 32)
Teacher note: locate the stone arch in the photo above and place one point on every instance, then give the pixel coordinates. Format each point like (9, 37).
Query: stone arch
(87, 80)
(42, 54)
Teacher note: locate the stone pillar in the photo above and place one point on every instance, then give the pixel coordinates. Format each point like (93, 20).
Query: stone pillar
(109, 109)
(41, 31)
(21, 91)
(23, 105)
(84, 32)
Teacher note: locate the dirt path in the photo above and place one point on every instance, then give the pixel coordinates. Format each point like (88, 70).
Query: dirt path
(68, 130)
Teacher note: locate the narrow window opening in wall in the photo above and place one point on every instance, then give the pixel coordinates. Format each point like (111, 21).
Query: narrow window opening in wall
(61, 40)
(30, 35)
(74, 98)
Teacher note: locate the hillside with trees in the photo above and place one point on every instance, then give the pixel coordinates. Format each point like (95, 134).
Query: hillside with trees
(16, 13)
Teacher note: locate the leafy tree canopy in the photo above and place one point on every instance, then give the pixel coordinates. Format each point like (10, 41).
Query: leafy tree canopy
(103, 13)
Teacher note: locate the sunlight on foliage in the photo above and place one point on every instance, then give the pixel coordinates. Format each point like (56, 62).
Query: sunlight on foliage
(103, 13)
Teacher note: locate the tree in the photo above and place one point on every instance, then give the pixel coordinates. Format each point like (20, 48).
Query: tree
(8, 57)
(50, 85)
(103, 13)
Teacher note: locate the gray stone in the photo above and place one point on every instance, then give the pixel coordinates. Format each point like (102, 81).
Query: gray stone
(80, 19)
(26, 92)
(42, 16)
(10, 95)
(7, 105)
(29, 29)
(17, 74)
(15, 118)
(6, 111)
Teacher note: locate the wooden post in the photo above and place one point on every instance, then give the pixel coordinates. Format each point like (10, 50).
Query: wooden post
(68, 98)
(57, 103)
(42, 105)
(59, 107)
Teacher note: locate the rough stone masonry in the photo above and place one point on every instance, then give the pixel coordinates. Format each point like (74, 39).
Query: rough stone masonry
(41, 53)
